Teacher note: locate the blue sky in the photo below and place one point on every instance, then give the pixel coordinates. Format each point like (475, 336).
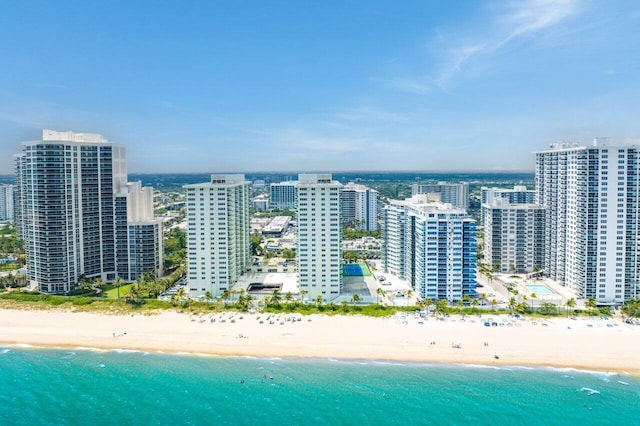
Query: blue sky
(298, 85)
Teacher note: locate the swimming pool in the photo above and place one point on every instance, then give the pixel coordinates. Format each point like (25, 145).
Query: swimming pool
(540, 289)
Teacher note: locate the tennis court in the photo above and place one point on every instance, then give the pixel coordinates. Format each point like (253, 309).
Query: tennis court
(356, 270)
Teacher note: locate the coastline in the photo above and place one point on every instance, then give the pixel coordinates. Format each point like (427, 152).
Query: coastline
(587, 344)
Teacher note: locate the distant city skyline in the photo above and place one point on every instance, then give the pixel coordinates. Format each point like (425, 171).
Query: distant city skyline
(254, 87)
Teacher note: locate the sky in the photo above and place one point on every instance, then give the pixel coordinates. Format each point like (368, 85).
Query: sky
(244, 86)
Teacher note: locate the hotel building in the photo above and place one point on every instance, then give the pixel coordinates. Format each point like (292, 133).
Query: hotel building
(359, 205)
(218, 233)
(591, 234)
(319, 236)
(432, 246)
(68, 184)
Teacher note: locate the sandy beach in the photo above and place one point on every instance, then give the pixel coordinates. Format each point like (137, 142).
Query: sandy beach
(589, 344)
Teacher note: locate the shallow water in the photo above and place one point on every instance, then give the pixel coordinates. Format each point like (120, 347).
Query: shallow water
(123, 387)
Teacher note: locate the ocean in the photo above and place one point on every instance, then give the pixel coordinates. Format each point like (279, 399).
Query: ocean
(84, 387)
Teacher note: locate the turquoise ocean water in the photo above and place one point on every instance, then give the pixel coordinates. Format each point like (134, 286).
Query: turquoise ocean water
(120, 388)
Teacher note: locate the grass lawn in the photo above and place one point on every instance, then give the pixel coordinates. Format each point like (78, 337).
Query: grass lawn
(365, 269)
(111, 292)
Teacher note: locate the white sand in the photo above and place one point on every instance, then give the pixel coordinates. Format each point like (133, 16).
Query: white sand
(560, 343)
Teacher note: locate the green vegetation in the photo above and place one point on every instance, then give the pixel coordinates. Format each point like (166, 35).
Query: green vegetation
(11, 246)
(632, 308)
(352, 234)
(35, 300)
(136, 297)
(288, 254)
(274, 213)
(175, 248)
(256, 240)
(9, 242)
(113, 292)
(392, 190)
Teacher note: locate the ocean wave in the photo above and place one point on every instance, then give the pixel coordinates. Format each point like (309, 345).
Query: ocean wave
(91, 349)
(589, 391)
(126, 351)
(5, 351)
(397, 364)
(578, 370)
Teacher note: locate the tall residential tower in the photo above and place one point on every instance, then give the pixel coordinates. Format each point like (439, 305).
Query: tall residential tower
(360, 206)
(592, 218)
(319, 236)
(67, 188)
(6, 203)
(218, 233)
(432, 246)
(456, 194)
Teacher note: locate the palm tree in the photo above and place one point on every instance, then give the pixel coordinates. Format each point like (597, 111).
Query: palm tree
(533, 296)
(460, 303)
(409, 294)
(570, 304)
(494, 302)
(474, 303)
(98, 282)
(466, 298)
(355, 299)
(590, 303)
(441, 306)
(234, 292)
(483, 297)
(303, 293)
(288, 297)
(380, 293)
(132, 294)
(225, 295)
(428, 302)
(318, 300)
(181, 294)
(275, 297)
(524, 299)
(208, 296)
(512, 303)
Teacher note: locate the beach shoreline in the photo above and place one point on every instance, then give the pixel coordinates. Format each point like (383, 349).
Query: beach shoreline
(585, 344)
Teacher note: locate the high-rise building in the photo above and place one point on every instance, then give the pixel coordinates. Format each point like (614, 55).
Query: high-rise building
(513, 236)
(136, 225)
(6, 203)
(67, 189)
(282, 195)
(218, 233)
(319, 236)
(517, 195)
(456, 194)
(360, 206)
(591, 234)
(432, 246)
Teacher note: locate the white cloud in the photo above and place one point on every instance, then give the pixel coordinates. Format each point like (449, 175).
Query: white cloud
(534, 15)
(506, 25)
